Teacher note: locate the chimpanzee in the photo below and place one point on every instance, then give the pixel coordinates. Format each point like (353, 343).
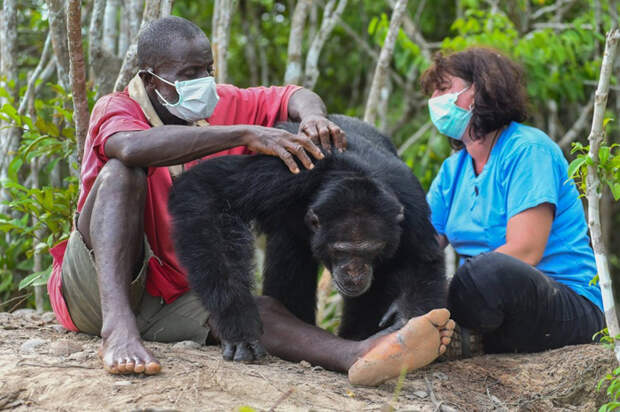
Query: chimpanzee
(361, 213)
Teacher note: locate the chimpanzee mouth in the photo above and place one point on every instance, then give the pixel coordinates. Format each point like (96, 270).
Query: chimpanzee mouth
(352, 292)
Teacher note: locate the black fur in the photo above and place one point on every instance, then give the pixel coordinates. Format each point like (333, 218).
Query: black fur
(355, 195)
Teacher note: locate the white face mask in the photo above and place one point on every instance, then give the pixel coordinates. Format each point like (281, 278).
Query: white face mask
(197, 98)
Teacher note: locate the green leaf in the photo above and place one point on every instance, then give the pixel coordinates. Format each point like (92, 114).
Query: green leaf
(603, 155)
(615, 190)
(575, 165)
(12, 112)
(14, 167)
(36, 279)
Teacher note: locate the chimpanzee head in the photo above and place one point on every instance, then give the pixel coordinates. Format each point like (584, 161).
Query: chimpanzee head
(355, 223)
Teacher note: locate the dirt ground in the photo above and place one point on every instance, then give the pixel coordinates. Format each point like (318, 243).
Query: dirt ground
(44, 367)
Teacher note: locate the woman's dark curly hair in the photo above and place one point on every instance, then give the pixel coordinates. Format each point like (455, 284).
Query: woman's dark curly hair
(499, 86)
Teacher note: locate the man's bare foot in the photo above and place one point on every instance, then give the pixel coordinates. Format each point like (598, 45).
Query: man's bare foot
(126, 354)
(417, 344)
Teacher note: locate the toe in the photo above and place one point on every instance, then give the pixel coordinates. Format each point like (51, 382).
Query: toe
(438, 317)
(130, 367)
(442, 349)
(445, 340)
(152, 368)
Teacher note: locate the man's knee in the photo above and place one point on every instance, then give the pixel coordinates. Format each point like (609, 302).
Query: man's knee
(118, 177)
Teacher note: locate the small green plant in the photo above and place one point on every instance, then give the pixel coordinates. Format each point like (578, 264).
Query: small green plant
(612, 379)
(608, 167)
(40, 191)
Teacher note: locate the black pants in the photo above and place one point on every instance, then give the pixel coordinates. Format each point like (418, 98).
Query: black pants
(517, 308)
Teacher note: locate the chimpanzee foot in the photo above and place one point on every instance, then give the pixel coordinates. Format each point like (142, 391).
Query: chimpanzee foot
(123, 354)
(417, 344)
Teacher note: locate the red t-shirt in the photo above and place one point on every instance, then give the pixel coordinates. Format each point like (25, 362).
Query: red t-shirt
(117, 112)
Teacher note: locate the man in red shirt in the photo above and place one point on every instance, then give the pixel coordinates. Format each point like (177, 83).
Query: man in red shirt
(118, 277)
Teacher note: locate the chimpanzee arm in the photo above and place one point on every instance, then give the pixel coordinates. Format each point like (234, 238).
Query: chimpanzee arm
(290, 270)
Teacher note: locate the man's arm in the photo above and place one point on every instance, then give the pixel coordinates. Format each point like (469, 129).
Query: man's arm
(172, 144)
(527, 234)
(306, 107)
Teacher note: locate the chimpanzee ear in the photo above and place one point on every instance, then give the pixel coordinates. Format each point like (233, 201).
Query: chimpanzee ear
(401, 215)
(312, 220)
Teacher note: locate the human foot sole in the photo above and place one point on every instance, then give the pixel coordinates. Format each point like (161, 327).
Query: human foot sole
(417, 344)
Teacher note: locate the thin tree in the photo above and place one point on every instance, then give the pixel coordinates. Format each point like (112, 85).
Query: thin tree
(379, 78)
(331, 16)
(294, 67)
(78, 74)
(129, 66)
(58, 29)
(593, 188)
(9, 136)
(103, 63)
(220, 36)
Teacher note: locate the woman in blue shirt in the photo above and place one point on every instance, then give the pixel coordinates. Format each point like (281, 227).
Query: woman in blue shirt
(505, 203)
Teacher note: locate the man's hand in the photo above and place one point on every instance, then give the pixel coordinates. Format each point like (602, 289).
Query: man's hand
(322, 130)
(286, 146)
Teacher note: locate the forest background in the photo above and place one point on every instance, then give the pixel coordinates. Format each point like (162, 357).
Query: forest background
(330, 46)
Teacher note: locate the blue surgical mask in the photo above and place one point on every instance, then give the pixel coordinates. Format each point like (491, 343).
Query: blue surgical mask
(197, 98)
(449, 118)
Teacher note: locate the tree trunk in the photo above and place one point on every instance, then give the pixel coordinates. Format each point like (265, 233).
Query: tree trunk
(593, 190)
(129, 67)
(78, 74)
(294, 69)
(9, 136)
(381, 70)
(103, 63)
(123, 31)
(222, 15)
(331, 15)
(250, 41)
(58, 28)
(30, 88)
(166, 8)
(110, 26)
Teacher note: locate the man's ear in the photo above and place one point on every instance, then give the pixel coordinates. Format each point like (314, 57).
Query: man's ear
(147, 78)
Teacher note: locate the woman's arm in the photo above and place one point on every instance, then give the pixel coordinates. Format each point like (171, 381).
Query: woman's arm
(527, 233)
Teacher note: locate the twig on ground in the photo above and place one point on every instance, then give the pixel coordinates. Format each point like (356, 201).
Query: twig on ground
(440, 406)
(24, 297)
(52, 365)
(496, 401)
(281, 399)
(14, 299)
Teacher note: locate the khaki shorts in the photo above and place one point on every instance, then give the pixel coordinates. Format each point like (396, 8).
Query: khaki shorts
(183, 319)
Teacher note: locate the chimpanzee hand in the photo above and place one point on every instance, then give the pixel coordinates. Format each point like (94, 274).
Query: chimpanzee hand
(323, 131)
(393, 318)
(239, 329)
(243, 351)
(285, 145)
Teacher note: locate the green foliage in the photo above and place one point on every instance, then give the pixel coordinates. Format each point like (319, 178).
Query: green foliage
(611, 380)
(38, 215)
(608, 166)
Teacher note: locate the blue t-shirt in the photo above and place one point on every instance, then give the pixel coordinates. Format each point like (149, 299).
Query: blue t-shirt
(525, 169)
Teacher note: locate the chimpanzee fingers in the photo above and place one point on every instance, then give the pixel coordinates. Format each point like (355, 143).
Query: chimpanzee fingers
(389, 315)
(243, 353)
(228, 350)
(258, 349)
